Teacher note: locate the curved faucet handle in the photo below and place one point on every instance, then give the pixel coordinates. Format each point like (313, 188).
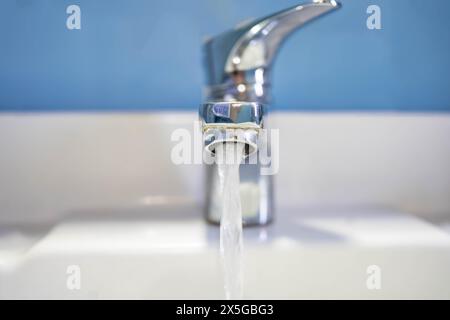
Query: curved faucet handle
(254, 45)
(259, 44)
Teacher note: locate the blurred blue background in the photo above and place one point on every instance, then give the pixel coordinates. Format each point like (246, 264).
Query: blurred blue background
(146, 55)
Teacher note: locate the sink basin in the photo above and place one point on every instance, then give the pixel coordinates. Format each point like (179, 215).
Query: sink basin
(96, 196)
(169, 252)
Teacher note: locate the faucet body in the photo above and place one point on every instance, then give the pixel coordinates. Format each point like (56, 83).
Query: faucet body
(237, 122)
(238, 65)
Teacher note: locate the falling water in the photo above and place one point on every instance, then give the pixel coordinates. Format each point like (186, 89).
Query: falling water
(229, 156)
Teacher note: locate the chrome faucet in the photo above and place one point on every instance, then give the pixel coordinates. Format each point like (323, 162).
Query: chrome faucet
(238, 65)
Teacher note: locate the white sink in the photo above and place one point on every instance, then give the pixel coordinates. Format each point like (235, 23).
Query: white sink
(98, 193)
(169, 252)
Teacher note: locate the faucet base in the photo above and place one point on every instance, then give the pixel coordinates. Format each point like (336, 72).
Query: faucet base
(246, 223)
(256, 193)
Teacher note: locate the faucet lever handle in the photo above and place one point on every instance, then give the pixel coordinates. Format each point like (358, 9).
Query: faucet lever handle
(238, 61)
(258, 45)
(253, 45)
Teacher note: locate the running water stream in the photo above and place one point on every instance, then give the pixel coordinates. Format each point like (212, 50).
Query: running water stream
(229, 156)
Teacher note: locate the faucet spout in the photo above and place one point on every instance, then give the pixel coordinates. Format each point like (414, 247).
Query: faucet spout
(239, 61)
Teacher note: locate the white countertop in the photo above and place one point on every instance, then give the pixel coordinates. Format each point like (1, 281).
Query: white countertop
(156, 252)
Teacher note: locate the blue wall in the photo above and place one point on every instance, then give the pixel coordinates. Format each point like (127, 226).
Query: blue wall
(142, 54)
